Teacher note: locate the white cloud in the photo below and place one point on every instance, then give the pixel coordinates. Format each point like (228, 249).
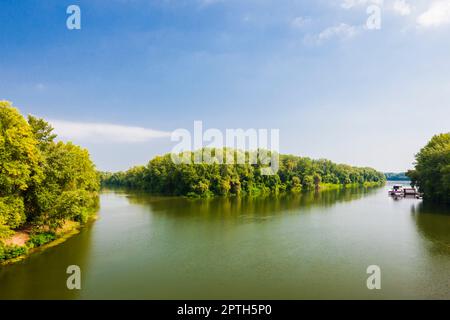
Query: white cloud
(342, 31)
(402, 7)
(348, 4)
(104, 132)
(437, 15)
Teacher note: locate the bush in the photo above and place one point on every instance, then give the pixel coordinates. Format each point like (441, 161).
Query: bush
(11, 252)
(37, 240)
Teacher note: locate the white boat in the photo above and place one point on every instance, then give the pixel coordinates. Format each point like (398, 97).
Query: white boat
(397, 190)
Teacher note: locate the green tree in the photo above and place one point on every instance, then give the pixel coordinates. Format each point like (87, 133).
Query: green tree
(69, 189)
(432, 169)
(42, 182)
(19, 166)
(42, 131)
(308, 182)
(162, 176)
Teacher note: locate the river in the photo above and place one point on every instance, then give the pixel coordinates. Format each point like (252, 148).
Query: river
(308, 246)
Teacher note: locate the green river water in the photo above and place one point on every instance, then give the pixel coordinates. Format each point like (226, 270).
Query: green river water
(308, 246)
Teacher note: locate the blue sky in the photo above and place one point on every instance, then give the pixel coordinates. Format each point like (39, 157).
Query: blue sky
(138, 70)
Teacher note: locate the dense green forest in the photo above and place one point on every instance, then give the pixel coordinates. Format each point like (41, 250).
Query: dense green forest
(43, 183)
(162, 176)
(432, 170)
(391, 176)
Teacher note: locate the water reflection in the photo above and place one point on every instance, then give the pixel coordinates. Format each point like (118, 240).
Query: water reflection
(259, 207)
(43, 274)
(304, 246)
(433, 223)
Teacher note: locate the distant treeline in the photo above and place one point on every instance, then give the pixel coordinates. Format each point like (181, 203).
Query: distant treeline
(390, 176)
(163, 176)
(432, 171)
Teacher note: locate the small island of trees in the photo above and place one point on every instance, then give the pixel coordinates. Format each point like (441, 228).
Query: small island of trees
(295, 174)
(46, 187)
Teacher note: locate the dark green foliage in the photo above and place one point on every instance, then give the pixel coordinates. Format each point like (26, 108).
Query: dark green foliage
(11, 252)
(432, 171)
(37, 240)
(162, 176)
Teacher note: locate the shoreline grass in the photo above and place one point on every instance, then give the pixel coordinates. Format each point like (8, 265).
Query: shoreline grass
(70, 229)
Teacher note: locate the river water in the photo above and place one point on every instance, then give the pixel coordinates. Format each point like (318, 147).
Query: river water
(308, 246)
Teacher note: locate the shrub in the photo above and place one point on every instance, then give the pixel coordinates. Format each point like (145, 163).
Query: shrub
(37, 240)
(11, 252)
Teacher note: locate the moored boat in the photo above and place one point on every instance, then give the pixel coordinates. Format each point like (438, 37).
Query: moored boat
(397, 190)
(400, 191)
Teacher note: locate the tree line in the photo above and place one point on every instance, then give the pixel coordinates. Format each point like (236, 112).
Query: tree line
(401, 176)
(43, 183)
(162, 176)
(432, 169)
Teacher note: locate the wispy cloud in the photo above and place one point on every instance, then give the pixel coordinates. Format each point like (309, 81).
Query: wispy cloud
(348, 4)
(437, 15)
(299, 22)
(104, 132)
(402, 7)
(340, 31)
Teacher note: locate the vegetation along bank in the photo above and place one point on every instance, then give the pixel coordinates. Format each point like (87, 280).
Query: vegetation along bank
(48, 189)
(432, 170)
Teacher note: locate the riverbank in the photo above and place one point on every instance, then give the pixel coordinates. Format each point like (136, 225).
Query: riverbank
(24, 242)
(333, 186)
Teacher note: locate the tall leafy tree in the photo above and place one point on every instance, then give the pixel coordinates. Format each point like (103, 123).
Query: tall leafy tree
(19, 166)
(432, 170)
(42, 182)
